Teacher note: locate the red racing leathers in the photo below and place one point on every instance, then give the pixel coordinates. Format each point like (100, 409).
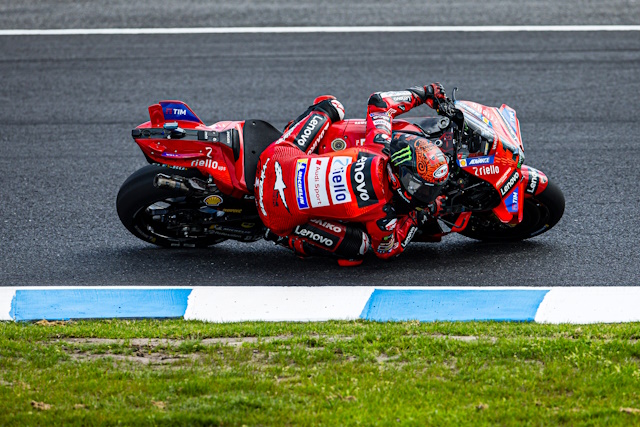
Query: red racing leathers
(316, 201)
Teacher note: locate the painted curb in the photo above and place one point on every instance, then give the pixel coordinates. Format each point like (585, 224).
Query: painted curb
(578, 305)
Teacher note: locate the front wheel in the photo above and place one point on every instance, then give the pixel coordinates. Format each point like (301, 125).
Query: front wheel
(164, 217)
(541, 213)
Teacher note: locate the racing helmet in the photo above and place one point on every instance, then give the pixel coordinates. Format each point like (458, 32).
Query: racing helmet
(419, 166)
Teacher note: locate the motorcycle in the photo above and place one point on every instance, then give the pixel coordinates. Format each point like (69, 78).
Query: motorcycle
(198, 189)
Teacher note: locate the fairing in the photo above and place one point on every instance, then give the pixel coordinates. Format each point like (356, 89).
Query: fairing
(500, 160)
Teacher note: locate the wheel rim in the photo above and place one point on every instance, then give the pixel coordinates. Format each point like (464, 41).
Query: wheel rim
(174, 219)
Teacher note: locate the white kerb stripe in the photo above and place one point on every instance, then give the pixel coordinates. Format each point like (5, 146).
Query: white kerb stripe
(6, 296)
(271, 303)
(285, 30)
(601, 304)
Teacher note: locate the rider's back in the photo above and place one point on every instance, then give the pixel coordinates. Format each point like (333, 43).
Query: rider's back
(349, 185)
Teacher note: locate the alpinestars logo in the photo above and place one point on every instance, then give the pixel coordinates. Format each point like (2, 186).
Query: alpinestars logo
(279, 185)
(263, 173)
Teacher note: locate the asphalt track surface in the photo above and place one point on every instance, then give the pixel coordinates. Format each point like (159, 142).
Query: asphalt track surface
(68, 104)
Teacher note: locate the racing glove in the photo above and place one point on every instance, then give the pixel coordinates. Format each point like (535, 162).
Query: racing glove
(434, 95)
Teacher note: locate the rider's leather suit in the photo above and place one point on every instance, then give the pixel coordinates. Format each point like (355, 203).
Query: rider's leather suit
(315, 203)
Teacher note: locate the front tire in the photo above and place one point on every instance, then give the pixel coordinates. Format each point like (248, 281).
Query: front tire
(139, 202)
(541, 213)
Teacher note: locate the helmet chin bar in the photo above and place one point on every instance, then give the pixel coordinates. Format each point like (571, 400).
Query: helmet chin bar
(418, 189)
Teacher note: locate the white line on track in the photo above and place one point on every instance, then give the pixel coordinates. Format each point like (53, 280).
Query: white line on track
(289, 30)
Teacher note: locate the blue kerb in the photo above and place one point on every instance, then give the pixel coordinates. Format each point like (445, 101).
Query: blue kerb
(453, 305)
(62, 304)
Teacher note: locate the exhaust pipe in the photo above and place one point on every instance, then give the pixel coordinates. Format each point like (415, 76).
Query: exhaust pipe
(165, 181)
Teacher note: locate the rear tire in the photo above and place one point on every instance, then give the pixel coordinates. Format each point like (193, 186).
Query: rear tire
(541, 213)
(138, 194)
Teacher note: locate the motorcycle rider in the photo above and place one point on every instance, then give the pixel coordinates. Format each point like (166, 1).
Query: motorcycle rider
(340, 203)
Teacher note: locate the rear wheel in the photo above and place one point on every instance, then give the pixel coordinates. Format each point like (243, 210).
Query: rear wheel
(164, 217)
(541, 213)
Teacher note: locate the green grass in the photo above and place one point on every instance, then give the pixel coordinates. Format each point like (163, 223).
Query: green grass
(334, 373)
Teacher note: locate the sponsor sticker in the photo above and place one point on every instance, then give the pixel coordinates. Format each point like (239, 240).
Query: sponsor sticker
(316, 182)
(510, 183)
(301, 191)
(398, 93)
(208, 163)
(316, 235)
(387, 245)
(474, 161)
(410, 234)
(486, 170)
(512, 201)
(441, 171)
(336, 228)
(213, 200)
(310, 130)
(361, 183)
(177, 111)
(338, 186)
(504, 176)
(534, 180)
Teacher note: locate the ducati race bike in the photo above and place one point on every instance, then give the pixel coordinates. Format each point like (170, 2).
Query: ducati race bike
(198, 189)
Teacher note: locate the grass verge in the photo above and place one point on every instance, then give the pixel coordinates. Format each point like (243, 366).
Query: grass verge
(175, 372)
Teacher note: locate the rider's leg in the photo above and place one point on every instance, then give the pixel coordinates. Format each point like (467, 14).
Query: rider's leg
(326, 238)
(307, 130)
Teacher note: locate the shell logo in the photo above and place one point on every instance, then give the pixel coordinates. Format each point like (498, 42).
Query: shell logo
(213, 200)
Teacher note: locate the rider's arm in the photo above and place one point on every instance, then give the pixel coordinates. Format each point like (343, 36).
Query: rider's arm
(384, 106)
(389, 236)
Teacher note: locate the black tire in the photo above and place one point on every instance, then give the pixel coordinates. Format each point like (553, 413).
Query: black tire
(541, 213)
(138, 193)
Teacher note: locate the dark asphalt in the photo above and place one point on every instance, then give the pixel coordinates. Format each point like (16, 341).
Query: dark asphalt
(68, 105)
(223, 13)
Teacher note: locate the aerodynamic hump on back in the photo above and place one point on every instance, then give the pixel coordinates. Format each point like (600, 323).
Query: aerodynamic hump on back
(170, 111)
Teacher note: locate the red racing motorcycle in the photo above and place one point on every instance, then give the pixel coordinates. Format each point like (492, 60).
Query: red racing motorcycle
(198, 188)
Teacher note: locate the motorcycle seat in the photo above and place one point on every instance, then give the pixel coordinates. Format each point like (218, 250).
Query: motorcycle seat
(257, 136)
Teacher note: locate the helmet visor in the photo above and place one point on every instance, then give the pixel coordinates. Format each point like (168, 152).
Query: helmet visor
(416, 187)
